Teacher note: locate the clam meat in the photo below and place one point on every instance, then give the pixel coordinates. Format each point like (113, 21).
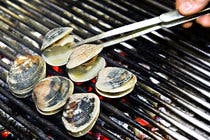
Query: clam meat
(115, 82)
(51, 94)
(25, 72)
(81, 113)
(84, 62)
(57, 45)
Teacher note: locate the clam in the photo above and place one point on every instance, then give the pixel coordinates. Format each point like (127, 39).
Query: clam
(84, 62)
(25, 72)
(51, 94)
(115, 82)
(81, 113)
(57, 46)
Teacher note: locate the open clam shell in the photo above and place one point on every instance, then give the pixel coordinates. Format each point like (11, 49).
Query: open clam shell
(25, 72)
(84, 63)
(116, 94)
(80, 113)
(51, 94)
(57, 46)
(85, 73)
(114, 82)
(54, 35)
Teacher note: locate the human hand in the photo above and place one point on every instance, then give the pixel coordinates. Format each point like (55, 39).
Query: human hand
(188, 7)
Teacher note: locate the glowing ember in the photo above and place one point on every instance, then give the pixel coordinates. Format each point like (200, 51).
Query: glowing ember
(90, 132)
(101, 97)
(123, 54)
(99, 136)
(57, 69)
(93, 80)
(78, 83)
(142, 122)
(5, 134)
(89, 89)
(124, 100)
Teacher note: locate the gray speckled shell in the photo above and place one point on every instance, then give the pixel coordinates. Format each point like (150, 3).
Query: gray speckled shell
(51, 93)
(25, 73)
(81, 113)
(115, 82)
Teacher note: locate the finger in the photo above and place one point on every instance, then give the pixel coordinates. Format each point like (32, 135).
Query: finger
(187, 25)
(204, 20)
(179, 2)
(188, 7)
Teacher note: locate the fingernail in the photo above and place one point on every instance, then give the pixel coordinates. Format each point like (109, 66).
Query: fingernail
(186, 6)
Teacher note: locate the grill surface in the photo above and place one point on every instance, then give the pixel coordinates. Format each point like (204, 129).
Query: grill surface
(171, 99)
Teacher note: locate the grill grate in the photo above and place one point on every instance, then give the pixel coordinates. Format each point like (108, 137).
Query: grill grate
(171, 98)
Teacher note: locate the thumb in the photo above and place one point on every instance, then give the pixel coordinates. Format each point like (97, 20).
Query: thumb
(188, 7)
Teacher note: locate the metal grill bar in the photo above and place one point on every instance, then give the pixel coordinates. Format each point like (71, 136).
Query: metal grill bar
(8, 122)
(161, 90)
(32, 130)
(34, 115)
(152, 122)
(26, 20)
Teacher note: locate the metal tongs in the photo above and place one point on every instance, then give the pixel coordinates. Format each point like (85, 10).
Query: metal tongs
(136, 29)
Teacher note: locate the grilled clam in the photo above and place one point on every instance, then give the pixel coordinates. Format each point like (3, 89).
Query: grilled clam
(25, 72)
(84, 62)
(51, 94)
(114, 82)
(80, 113)
(57, 46)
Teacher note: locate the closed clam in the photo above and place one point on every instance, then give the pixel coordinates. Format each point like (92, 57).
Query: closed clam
(57, 46)
(25, 72)
(51, 94)
(115, 82)
(84, 62)
(80, 113)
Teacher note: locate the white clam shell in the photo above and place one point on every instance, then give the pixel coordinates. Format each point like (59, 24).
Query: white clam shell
(51, 93)
(116, 94)
(54, 35)
(82, 54)
(57, 46)
(81, 113)
(82, 73)
(25, 73)
(58, 53)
